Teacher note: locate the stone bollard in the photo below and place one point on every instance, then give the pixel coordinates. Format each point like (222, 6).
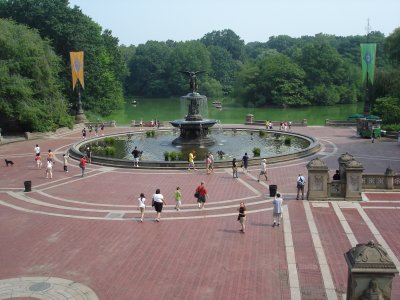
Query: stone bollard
(343, 159)
(354, 170)
(249, 118)
(318, 176)
(389, 176)
(370, 272)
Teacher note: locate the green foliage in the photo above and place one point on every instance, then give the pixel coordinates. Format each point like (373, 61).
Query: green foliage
(256, 152)
(109, 141)
(288, 141)
(388, 108)
(150, 133)
(391, 127)
(277, 136)
(261, 133)
(166, 155)
(109, 151)
(392, 46)
(226, 39)
(173, 156)
(180, 156)
(30, 98)
(69, 29)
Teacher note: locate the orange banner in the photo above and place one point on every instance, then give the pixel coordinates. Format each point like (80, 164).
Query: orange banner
(77, 68)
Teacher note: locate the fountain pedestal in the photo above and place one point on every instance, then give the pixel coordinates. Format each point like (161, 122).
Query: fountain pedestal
(194, 129)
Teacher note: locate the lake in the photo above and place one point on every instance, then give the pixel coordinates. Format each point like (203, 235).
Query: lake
(168, 109)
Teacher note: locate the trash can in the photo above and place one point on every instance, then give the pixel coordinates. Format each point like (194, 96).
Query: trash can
(272, 190)
(28, 186)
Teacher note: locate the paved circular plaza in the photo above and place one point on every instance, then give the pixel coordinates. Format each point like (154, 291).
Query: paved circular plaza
(81, 236)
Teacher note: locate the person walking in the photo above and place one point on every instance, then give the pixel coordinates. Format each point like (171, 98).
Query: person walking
(158, 201)
(301, 181)
(211, 166)
(50, 156)
(191, 160)
(37, 150)
(263, 170)
(89, 155)
(82, 165)
(84, 133)
(65, 159)
(141, 206)
(102, 129)
(178, 197)
(234, 168)
(245, 162)
(136, 156)
(38, 162)
(49, 169)
(277, 211)
(242, 216)
(202, 195)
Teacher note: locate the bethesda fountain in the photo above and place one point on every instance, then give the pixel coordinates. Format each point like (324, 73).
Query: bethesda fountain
(194, 130)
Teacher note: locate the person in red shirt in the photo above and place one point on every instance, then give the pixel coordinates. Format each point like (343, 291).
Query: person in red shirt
(82, 165)
(202, 195)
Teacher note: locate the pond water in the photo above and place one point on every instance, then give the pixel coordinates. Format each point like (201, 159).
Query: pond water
(168, 109)
(234, 143)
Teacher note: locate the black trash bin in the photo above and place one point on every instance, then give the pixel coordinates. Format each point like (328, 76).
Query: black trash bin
(28, 186)
(272, 190)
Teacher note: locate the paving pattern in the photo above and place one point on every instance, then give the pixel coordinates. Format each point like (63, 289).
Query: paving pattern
(81, 236)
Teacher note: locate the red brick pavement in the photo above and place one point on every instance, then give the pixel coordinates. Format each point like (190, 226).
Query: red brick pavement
(205, 258)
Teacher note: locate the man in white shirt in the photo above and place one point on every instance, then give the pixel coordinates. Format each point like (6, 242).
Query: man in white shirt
(277, 211)
(263, 170)
(37, 150)
(301, 181)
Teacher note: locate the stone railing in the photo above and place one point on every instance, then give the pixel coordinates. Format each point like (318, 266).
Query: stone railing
(340, 123)
(106, 124)
(387, 181)
(276, 124)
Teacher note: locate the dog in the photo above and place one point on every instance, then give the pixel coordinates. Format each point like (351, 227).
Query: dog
(9, 162)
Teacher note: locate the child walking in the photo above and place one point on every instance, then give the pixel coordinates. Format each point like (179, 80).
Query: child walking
(65, 159)
(141, 206)
(178, 197)
(38, 162)
(242, 216)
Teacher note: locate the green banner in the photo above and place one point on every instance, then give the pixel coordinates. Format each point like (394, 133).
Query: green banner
(368, 54)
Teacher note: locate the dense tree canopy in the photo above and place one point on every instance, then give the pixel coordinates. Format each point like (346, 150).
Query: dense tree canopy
(30, 95)
(282, 71)
(69, 29)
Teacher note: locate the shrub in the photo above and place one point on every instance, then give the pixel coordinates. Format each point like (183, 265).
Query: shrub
(150, 133)
(277, 136)
(109, 151)
(172, 155)
(261, 133)
(180, 156)
(166, 155)
(109, 141)
(256, 151)
(288, 141)
(391, 127)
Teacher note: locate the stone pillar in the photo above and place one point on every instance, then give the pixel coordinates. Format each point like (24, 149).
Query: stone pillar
(354, 170)
(389, 176)
(318, 177)
(304, 122)
(249, 118)
(343, 159)
(370, 272)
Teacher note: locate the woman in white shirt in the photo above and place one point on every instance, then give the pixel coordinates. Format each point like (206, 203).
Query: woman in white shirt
(141, 206)
(277, 211)
(49, 169)
(158, 202)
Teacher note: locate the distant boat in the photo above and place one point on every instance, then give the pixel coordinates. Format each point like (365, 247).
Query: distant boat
(134, 102)
(217, 102)
(218, 105)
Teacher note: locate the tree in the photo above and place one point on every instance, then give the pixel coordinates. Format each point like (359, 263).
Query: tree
(226, 39)
(392, 46)
(70, 30)
(388, 108)
(30, 97)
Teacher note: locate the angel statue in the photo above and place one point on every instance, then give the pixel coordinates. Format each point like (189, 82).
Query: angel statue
(192, 79)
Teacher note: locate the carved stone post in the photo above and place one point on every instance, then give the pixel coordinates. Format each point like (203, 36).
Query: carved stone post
(371, 272)
(343, 159)
(389, 176)
(354, 170)
(318, 177)
(249, 118)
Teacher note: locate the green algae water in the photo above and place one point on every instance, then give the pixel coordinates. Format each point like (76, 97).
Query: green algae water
(168, 109)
